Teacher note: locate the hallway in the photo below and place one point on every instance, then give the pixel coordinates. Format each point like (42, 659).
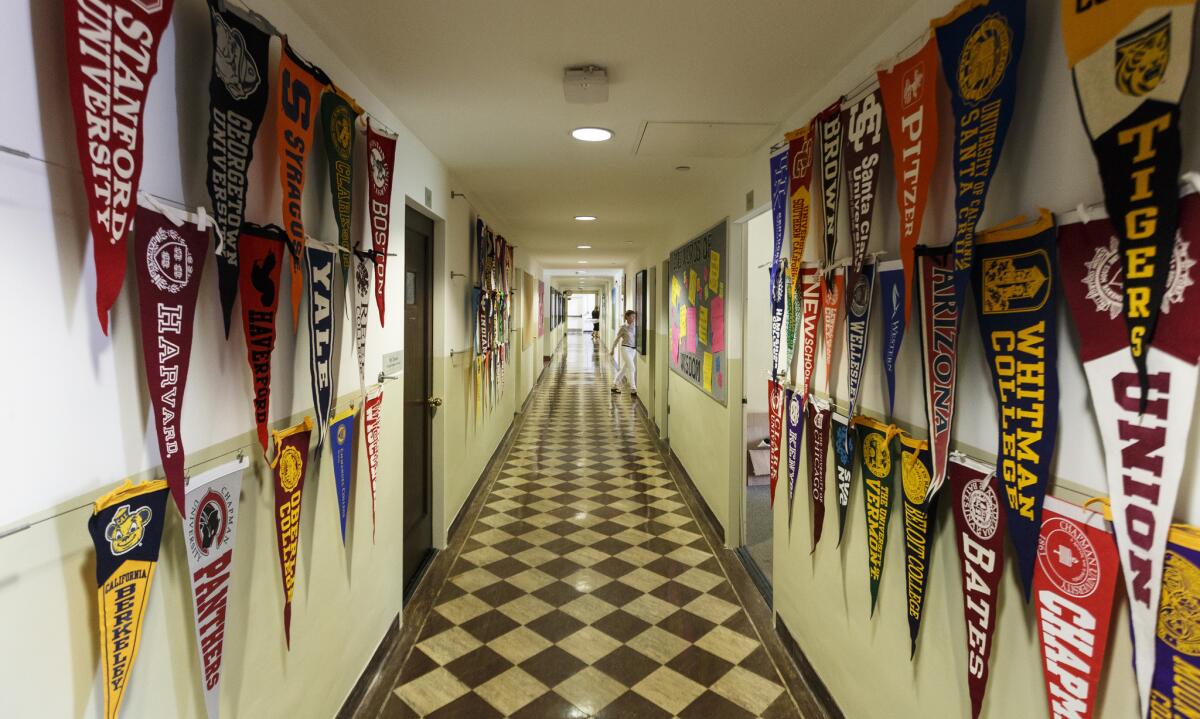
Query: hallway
(586, 587)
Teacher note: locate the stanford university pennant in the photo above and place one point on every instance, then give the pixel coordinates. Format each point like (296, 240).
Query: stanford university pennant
(1177, 653)
(260, 258)
(862, 122)
(793, 400)
(289, 468)
(381, 158)
(843, 462)
(920, 515)
(339, 115)
(880, 455)
(341, 435)
(817, 421)
(938, 311)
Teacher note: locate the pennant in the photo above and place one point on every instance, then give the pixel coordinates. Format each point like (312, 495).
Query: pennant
(818, 444)
(980, 44)
(320, 333)
(1143, 451)
(341, 430)
(237, 99)
(112, 51)
(830, 123)
(909, 90)
(778, 279)
(979, 531)
(1073, 587)
(810, 311)
(860, 295)
(880, 460)
(774, 431)
(939, 349)
(289, 467)
(863, 124)
(1177, 656)
(779, 198)
(372, 411)
(260, 257)
(362, 293)
(793, 324)
(339, 113)
(381, 158)
(800, 147)
(843, 462)
(892, 276)
(209, 529)
(126, 527)
(1016, 303)
(920, 518)
(831, 314)
(794, 401)
(1130, 62)
(300, 87)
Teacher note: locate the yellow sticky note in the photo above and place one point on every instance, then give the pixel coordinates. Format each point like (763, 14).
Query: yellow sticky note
(693, 285)
(702, 326)
(708, 371)
(675, 290)
(683, 322)
(714, 270)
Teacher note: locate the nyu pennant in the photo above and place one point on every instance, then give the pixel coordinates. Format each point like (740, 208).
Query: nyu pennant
(320, 333)
(939, 348)
(289, 468)
(880, 454)
(862, 121)
(260, 259)
(381, 157)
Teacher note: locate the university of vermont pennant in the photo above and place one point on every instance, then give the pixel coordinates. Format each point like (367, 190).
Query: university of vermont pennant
(892, 288)
(810, 312)
(289, 468)
(829, 124)
(831, 314)
(339, 113)
(321, 318)
(800, 154)
(341, 436)
(774, 432)
(860, 292)
(862, 122)
(843, 461)
(818, 440)
(372, 413)
(381, 158)
(260, 259)
(794, 403)
(1173, 692)
(920, 515)
(880, 454)
(938, 310)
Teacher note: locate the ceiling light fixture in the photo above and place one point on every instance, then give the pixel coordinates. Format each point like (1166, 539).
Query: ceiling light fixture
(585, 218)
(583, 262)
(583, 247)
(591, 134)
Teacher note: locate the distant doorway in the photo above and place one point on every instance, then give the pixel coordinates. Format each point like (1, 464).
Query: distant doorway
(419, 405)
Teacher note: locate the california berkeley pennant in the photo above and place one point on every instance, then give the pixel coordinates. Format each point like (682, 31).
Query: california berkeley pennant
(831, 315)
(860, 292)
(341, 434)
(829, 124)
(794, 402)
(774, 431)
(880, 456)
(818, 443)
(372, 412)
(126, 527)
(892, 288)
(843, 462)
(810, 311)
(381, 158)
(800, 154)
(289, 466)
(260, 258)
(938, 310)
(862, 121)
(321, 318)
(1177, 654)
(339, 113)
(112, 51)
(920, 518)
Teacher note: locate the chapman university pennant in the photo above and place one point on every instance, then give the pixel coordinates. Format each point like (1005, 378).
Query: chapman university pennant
(372, 411)
(1016, 301)
(979, 531)
(794, 401)
(112, 51)
(980, 44)
(818, 444)
(1143, 450)
(880, 459)
(920, 518)
(362, 294)
(779, 199)
(860, 293)
(774, 432)
(778, 278)
(843, 462)
(237, 96)
(381, 159)
(800, 154)
(829, 124)
(341, 433)
(1073, 588)
(209, 529)
(895, 317)
(260, 259)
(909, 90)
(938, 310)
(810, 311)
(1130, 62)
(862, 121)
(339, 113)
(1177, 651)
(300, 87)
(126, 527)
(290, 465)
(831, 316)
(320, 333)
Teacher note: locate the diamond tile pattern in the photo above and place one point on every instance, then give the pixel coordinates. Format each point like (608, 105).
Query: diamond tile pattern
(586, 588)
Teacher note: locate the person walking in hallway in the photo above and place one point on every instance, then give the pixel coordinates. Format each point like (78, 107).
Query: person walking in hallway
(596, 327)
(626, 365)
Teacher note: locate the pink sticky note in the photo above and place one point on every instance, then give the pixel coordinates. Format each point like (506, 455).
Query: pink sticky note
(691, 336)
(716, 321)
(675, 346)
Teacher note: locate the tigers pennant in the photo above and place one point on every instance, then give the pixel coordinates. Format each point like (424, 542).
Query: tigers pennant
(260, 259)
(920, 515)
(341, 434)
(843, 463)
(320, 333)
(829, 124)
(381, 158)
(800, 154)
(862, 121)
(810, 310)
(1174, 691)
(774, 432)
(794, 402)
(831, 315)
(895, 317)
(289, 468)
(818, 442)
(880, 457)
(372, 413)
(860, 293)
(939, 349)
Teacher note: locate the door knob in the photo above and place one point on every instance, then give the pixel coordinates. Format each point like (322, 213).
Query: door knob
(434, 401)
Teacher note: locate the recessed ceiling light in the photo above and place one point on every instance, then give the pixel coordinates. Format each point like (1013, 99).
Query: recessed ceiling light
(585, 218)
(591, 134)
(583, 247)
(583, 262)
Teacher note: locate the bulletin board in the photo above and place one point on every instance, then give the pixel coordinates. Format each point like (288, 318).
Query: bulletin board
(697, 312)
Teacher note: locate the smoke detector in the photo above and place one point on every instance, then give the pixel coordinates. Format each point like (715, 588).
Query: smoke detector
(585, 85)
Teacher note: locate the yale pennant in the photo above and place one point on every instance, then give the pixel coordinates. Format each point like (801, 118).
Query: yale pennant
(321, 318)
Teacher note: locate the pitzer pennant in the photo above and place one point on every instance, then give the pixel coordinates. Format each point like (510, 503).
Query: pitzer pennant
(126, 527)
(843, 462)
(381, 158)
(818, 444)
(321, 318)
(209, 529)
(260, 258)
(862, 120)
(372, 414)
(800, 157)
(112, 51)
(860, 295)
(1130, 61)
(339, 115)
(289, 467)
(341, 434)
(831, 315)
(1143, 449)
(1177, 653)
(920, 518)
(979, 531)
(894, 292)
(775, 432)
(880, 455)
(938, 310)
(794, 402)
(1073, 589)
(829, 124)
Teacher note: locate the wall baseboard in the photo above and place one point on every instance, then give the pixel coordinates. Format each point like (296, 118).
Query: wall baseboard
(372, 673)
(687, 479)
(816, 687)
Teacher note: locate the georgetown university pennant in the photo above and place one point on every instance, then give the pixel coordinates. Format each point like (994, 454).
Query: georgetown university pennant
(831, 315)
(895, 317)
(1144, 448)
(381, 158)
(260, 259)
(289, 468)
(775, 432)
(843, 462)
(339, 113)
(938, 311)
(860, 291)
(341, 433)
(829, 124)
(818, 440)
(862, 123)
(880, 456)
(372, 414)
(1174, 691)
(794, 402)
(920, 516)
(320, 333)
(800, 147)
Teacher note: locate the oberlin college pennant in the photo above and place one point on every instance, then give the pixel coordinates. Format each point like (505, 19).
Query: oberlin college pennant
(1073, 589)
(862, 121)
(892, 287)
(289, 467)
(880, 454)
(829, 124)
(831, 315)
(860, 292)
(774, 432)
(260, 258)
(800, 157)
(339, 114)
(169, 260)
(938, 310)
(321, 318)
(112, 52)
(381, 158)
(372, 414)
(126, 527)
(1177, 654)
(794, 402)
(843, 462)
(818, 440)
(341, 434)
(1143, 449)
(920, 515)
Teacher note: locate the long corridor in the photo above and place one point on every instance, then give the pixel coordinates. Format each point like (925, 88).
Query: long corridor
(586, 587)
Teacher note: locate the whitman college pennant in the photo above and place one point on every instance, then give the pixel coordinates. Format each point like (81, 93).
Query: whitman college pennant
(372, 411)
(169, 261)
(126, 527)
(260, 258)
(810, 311)
(237, 97)
(1130, 62)
(829, 124)
(843, 462)
(341, 433)
(794, 401)
(209, 530)
(381, 159)
(831, 316)
(800, 147)
(112, 51)
(320, 333)
(1017, 303)
(290, 465)
(859, 294)
(909, 90)
(775, 432)
(862, 121)
(980, 44)
(1144, 448)
(818, 442)
(1177, 646)
(920, 516)
(339, 113)
(1073, 589)
(979, 531)
(880, 459)
(895, 317)
(939, 349)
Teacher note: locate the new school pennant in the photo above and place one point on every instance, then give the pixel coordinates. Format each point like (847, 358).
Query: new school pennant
(260, 259)
(381, 160)
(980, 44)
(909, 90)
(1073, 588)
(860, 294)
(979, 531)
(362, 293)
(880, 456)
(818, 443)
(892, 276)
(778, 279)
(112, 51)
(237, 98)
(779, 197)
(1143, 450)
(809, 312)
(339, 113)
(794, 402)
(1130, 62)
(209, 529)
(938, 312)
(289, 468)
(169, 261)
(800, 147)
(843, 462)
(372, 413)
(126, 527)
(774, 432)
(341, 433)
(831, 315)
(320, 333)
(829, 123)
(920, 518)
(1177, 654)
(863, 124)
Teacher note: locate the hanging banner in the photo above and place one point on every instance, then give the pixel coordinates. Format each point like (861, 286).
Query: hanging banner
(372, 412)
(818, 445)
(1073, 587)
(362, 294)
(260, 258)
(1016, 303)
(793, 325)
(920, 518)
(829, 122)
(843, 462)
(237, 99)
(980, 44)
(290, 465)
(1177, 654)
(880, 459)
(778, 279)
(1143, 450)
(794, 401)
(320, 333)
(831, 315)
(860, 294)
(381, 160)
(112, 51)
(939, 349)
(800, 147)
(169, 260)
(979, 531)
(339, 114)
(909, 90)
(775, 432)
(779, 198)
(126, 527)
(810, 311)
(1130, 62)
(862, 121)
(892, 276)
(341, 432)
(209, 529)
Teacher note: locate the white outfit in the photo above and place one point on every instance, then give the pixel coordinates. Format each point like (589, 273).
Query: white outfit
(627, 359)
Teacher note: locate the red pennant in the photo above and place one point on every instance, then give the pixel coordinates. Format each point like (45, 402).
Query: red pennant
(372, 409)
(774, 430)
(381, 157)
(817, 419)
(289, 467)
(831, 313)
(260, 258)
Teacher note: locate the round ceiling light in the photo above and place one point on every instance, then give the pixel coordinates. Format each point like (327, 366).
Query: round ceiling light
(583, 262)
(583, 247)
(585, 218)
(591, 134)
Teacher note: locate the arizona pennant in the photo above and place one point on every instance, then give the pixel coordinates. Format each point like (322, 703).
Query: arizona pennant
(920, 518)
(381, 158)
(800, 147)
(341, 433)
(793, 400)
(862, 121)
(880, 456)
(843, 462)
(320, 333)
(362, 293)
(860, 294)
(818, 443)
(372, 411)
(829, 124)
(831, 315)
(891, 285)
(260, 258)
(810, 311)
(339, 113)
(774, 432)
(289, 467)
(1177, 656)
(938, 311)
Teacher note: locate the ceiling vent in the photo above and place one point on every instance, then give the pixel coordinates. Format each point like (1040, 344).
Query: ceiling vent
(585, 85)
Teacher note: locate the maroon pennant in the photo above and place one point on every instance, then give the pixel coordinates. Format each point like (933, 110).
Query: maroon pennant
(817, 419)
(381, 157)
(260, 258)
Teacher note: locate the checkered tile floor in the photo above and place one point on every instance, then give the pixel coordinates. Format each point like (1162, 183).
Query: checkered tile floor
(586, 588)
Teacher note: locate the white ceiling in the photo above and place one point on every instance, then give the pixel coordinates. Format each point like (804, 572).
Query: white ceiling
(480, 82)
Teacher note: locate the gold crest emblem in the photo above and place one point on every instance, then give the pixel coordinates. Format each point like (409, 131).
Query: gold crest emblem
(1016, 283)
(1142, 57)
(342, 130)
(984, 58)
(126, 529)
(291, 466)
(876, 455)
(915, 479)
(1179, 611)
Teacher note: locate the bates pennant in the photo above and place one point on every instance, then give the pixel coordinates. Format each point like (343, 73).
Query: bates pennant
(880, 445)
(939, 348)
(289, 468)
(260, 258)
(818, 440)
(381, 158)
(862, 121)
(843, 462)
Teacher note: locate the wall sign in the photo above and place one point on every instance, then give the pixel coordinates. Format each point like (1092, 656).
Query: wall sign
(697, 311)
